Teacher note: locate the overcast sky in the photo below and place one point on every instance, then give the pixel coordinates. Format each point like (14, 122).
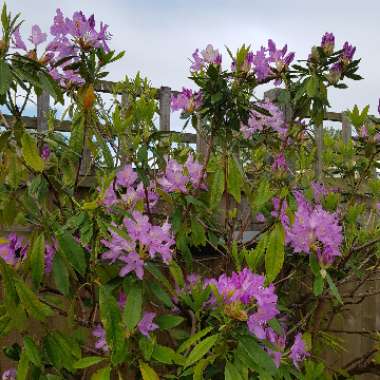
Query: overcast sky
(160, 35)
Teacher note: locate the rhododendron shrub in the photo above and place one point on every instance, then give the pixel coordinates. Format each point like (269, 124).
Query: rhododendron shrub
(127, 254)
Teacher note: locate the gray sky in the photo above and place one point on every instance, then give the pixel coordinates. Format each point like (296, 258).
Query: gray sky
(160, 35)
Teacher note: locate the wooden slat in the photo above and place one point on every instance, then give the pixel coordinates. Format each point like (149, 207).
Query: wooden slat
(43, 102)
(165, 98)
(31, 123)
(346, 129)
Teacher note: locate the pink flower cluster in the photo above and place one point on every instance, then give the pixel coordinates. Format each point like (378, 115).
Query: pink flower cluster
(186, 101)
(249, 289)
(178, 177)
(258, 121)
(266, 62)
(9, 374)
(70, 38)
(14, 249)
(314, 229)
(131, 192)
(208, 56)
(143, 237)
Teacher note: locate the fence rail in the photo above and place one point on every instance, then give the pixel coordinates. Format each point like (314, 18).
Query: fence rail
(163, 96)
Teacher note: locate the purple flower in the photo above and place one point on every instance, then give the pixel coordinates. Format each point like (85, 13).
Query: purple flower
(314, 229)
(248, 288)
(134, 263)
(9, 374)
(45, 152)
(186, 101)
(118, 246)
(328, 43)
(260, 217)
(161, 241)
(37, 37)
(211, 55)
(195, 170)
(14, 249)
(261, 65)
(59, 27)
(319, 190)
(18, 43)
(174, 178)
(146, 324)
(348, 52)
(279, 56)
(101, 343)
(280, 162)
(363, 132)
(208, 56)
(110, 196)
(257, 322)
(279, 342)
(258, 121)
(50, 251)
(298, 350)
(126, 177)
(198, 62)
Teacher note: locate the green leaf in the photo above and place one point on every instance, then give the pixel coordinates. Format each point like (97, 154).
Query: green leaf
(30, 153)
(231, 372)
(167, 322)
(6, 77)
(74, 253)
(234, 179)
(312, 87)
(274, 257)
(133, 306)
(37, 259)
(166, 355)
(334, 290)
(193, 339)
(51, 87)
(318, 285)
(102, 374)
(32, 352)
(23, 367)
(177, 274)
(198, 233)
(201, 349)
(111, 320)
(255, 257)
(216, 189)
(160, 294)
(61, 274)
(199, 369)
(88, 362)
(8, 283)
(147, 373)
(31, 303)
(257, 355)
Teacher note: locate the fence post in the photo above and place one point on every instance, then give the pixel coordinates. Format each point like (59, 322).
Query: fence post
(165, 98)
(318, 129)
(346, 128)
(201, 140)
(43, 102)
